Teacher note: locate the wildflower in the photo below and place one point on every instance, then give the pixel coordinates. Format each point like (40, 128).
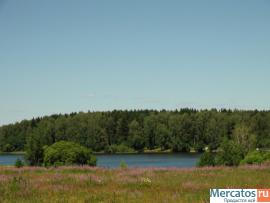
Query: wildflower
(146, 180)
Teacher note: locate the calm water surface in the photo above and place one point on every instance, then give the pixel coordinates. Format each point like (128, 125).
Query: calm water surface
(181, 160)
(149, 160)
(7, 159)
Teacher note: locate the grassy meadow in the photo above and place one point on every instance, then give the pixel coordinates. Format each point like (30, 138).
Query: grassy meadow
(89, 184)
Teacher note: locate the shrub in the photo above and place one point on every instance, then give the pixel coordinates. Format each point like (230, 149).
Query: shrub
(207, 159)
(266, 156)
(123, 165)
(230, 154)
(119, 149)
(18, 163)
(68, 153)
(256, 157)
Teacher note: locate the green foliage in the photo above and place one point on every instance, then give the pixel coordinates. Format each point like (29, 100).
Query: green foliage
(242, 136)
(121, 129)
(68, 153)
(123, 165)
(19, 163)
(266, 155)
(207, 159)
(34, 149)
(182, 135)
(150, 123)
(179, 130)
(214, 131)
(119, 149)
(13, 137)
(7, 148)
(229, 154)
(256, 157)
(135, 136)
(163, 136)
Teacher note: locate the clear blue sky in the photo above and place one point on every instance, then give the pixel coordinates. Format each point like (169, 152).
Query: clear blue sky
(59, 56)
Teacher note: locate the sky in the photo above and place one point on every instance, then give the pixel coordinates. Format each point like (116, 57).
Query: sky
(62, 56)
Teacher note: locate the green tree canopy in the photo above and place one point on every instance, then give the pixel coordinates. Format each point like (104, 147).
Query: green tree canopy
(68, 153)
(180, 130)
(229, 154)
(135, 136)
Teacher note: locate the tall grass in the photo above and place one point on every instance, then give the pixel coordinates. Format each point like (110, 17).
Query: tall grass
(88, 184)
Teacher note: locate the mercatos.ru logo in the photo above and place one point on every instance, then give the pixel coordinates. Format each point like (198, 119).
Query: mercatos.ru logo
(239, 195)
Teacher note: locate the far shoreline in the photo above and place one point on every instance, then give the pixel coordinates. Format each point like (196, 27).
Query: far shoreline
(117, 153)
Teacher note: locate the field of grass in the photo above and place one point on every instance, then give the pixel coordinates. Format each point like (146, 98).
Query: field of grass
(86, 184)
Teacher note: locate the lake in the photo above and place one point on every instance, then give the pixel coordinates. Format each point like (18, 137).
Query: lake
(179, 160)
(9, 159)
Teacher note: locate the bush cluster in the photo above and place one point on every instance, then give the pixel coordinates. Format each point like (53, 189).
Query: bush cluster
(229, 154)
(232, 155)
(68, 153)
(256, 157)
(119, 149)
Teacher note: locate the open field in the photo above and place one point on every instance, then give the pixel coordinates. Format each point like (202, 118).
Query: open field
(86, 184)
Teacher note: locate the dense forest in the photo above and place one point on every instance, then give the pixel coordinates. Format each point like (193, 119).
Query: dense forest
(180, 130)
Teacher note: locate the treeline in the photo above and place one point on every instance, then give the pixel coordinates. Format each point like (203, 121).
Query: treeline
(179, 130)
